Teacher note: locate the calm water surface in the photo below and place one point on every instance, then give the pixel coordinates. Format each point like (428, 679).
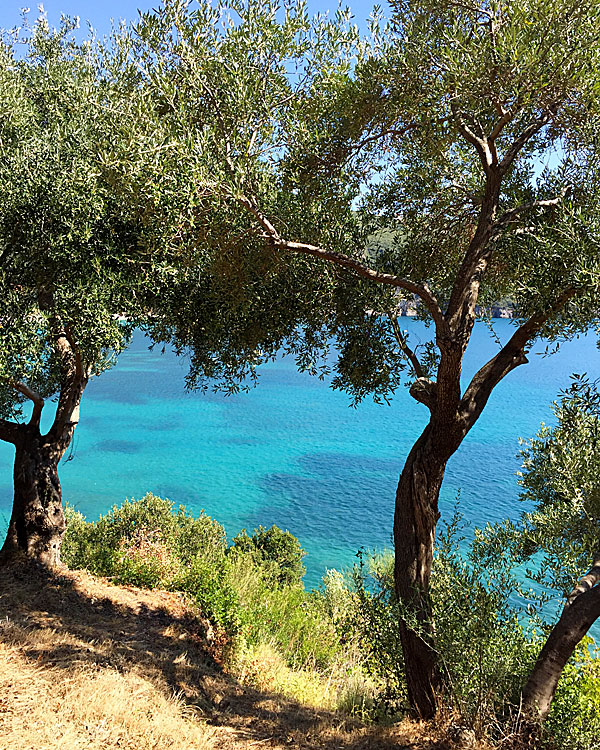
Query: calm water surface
(292, 452)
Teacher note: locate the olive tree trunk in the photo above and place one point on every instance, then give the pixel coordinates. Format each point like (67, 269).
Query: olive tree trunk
(37, 522)
(415, 520)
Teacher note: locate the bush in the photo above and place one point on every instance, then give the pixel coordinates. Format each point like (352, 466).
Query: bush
(98, 546)
(252, 589)
(210, 585)
(375, 620)
(487, 645)
(276, 551)
(149, 543)
(574, 720)
(484, 651)
(284, 616)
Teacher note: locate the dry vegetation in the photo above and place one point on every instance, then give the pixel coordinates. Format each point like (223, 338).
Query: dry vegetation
(86, 664)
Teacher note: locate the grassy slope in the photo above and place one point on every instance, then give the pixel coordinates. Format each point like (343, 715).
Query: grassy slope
(86, 664)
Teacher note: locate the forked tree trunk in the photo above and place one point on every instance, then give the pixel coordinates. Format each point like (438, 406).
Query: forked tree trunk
(415, 519)
(37, 522)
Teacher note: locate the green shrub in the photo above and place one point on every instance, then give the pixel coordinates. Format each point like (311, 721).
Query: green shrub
(277, 552)
(487, 646)
(99, 546)
(574, 720)
(376, 622)
(210, 585)
(149, 543)
(484, 651)
(285, 616)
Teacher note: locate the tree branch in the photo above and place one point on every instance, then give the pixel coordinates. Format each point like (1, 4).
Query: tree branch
(480, 144)
(76, 352)
(500, 125)
(587, 582)
(73, 382)
(24, 390)
(409, 353)
(533, 128)
(514, 213)
(34, 396)
(393, 131)
(382, 134)
(422, 291)
(9, 431)
(508, 358)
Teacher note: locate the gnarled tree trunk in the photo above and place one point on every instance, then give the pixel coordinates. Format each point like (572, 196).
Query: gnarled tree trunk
(37, 522)
(415, 520)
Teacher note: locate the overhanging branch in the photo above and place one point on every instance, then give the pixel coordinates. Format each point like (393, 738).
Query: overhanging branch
(421, 290)
(24, 390)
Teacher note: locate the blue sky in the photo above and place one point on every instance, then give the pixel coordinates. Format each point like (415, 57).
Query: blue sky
(101, 13)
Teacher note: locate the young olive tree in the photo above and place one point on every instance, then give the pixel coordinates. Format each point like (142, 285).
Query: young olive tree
(461, 133)
(67, 253)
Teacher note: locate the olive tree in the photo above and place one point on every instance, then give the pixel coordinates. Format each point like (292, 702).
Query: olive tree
(67, 249)
(447, 160)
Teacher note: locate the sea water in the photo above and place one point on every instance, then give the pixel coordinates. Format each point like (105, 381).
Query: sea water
(292, 452)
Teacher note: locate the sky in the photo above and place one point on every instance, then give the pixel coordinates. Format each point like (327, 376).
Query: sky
(99, 14)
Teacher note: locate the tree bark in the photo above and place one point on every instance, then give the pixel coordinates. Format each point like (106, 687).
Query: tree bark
(415, 519)
(580, 613)
(37, 522)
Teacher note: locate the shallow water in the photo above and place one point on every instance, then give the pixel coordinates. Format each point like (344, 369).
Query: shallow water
(292, 452)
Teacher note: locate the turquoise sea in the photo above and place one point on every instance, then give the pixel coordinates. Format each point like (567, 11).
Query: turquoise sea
(292, 451)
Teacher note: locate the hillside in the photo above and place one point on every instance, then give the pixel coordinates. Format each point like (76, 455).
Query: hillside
(87, 664)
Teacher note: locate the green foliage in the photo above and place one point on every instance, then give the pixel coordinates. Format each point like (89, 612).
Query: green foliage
(253, 588)
(487, 644)
(149, 543)
(574, 720)
(277, 549)
(357, 145)
(350, 625)
(236, 98)
(94, 545)
(557, 541)
(284, 615)
(68, 241)
(210, 582)
(485, 652)
(375, 619)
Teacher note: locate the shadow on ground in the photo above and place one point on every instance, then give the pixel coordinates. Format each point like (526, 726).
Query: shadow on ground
(74, 620)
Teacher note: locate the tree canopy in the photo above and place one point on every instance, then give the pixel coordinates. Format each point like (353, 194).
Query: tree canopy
(466, 133)
(63, 233)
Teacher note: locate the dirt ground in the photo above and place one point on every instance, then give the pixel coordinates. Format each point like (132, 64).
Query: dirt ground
(87, 664)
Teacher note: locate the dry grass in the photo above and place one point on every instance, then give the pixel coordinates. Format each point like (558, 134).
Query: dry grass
(264, 668)
(44, 709)
(85, 664)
